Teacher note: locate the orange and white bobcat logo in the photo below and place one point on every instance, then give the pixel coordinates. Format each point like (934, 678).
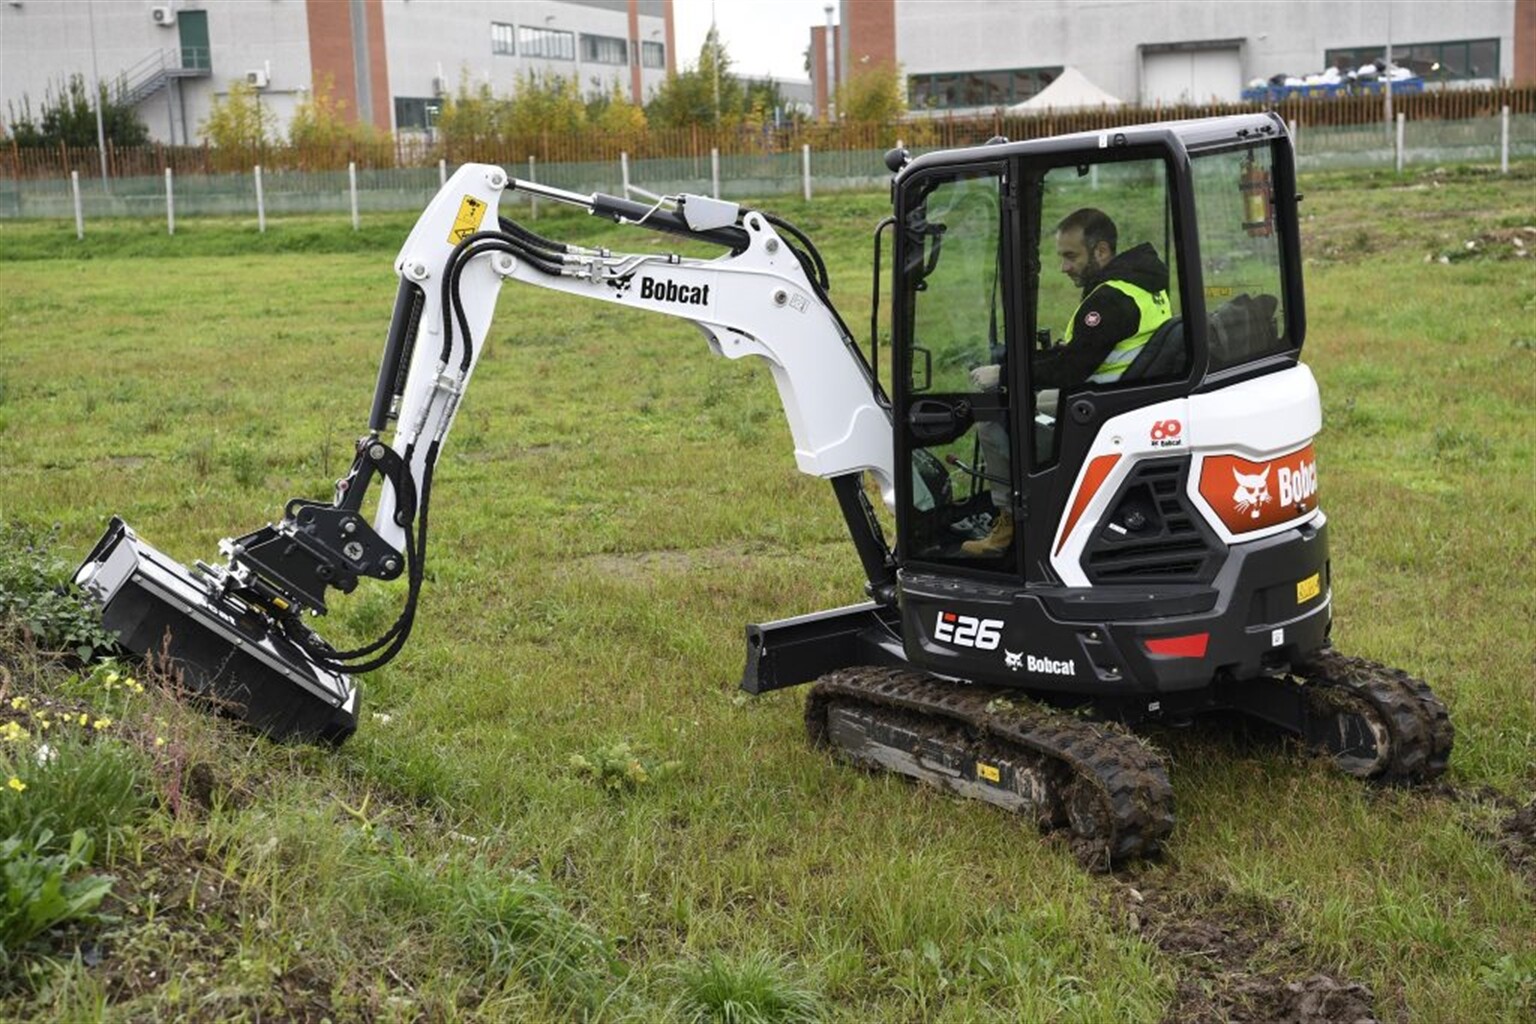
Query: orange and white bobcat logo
(1252, 492)
(1267, 493)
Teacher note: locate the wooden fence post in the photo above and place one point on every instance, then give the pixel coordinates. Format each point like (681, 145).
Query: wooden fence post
(170, 204)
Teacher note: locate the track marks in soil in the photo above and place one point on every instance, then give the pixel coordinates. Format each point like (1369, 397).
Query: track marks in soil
(1235, 960)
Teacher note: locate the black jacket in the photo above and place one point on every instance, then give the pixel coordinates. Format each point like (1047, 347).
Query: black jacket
(1104, 318)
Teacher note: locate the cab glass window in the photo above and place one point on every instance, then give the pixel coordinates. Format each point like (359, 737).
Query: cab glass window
(1107, 296)
(954, 402)
(1240, 256)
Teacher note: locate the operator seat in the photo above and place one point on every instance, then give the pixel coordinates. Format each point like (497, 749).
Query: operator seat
(1164, 355)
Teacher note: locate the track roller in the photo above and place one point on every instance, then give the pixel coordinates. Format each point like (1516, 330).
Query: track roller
(1106, 789)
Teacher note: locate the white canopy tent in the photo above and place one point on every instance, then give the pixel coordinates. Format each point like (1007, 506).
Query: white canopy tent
(1070, 91)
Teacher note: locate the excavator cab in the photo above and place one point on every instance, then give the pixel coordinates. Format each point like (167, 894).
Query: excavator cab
(1058, 306)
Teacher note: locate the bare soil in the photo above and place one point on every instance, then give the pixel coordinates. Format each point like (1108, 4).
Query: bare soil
(1237, 963)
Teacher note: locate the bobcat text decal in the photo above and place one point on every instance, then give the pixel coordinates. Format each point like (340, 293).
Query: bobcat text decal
(1252, 495)
(671, 291)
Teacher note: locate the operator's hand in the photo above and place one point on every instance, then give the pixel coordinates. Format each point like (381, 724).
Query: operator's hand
(985, 378)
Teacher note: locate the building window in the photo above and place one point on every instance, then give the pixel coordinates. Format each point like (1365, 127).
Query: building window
(1455, 61)
(604, 49)
(501, 38)
(552, 43)
(416, 113)
(653, 55)
(948, 89)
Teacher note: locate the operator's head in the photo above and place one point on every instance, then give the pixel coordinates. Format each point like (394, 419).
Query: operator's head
(1085, 241)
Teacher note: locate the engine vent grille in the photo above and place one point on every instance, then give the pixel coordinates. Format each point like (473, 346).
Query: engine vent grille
(1152, 532)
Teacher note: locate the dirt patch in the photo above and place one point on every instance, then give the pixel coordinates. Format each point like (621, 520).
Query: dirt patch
(1517, 841)
(1236, 963)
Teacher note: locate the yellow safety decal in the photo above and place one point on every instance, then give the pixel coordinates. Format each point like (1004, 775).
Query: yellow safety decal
(1309, 588)
(988, 772)
(471, 212)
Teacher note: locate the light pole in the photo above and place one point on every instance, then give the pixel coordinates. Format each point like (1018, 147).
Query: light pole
(831, 69)
(101, 131)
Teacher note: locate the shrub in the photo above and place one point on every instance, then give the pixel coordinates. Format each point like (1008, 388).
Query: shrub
(36, 592)
(754, 990)
(39, 892)
(619, 768)
(55, 782)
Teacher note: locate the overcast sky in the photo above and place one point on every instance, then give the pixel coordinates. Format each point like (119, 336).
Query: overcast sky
(762, 37)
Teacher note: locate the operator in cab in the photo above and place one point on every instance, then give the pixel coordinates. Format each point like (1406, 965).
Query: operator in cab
(1124, 300)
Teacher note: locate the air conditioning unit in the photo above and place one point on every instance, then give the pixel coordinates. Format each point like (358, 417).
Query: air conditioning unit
(164, 16)
(257, 79)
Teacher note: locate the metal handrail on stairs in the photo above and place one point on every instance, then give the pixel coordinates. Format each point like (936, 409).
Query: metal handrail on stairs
(154, 71)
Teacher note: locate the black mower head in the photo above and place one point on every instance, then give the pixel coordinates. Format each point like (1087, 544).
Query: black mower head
(219, 648)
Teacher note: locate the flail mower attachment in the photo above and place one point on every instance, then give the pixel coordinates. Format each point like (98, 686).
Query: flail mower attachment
(220, 648)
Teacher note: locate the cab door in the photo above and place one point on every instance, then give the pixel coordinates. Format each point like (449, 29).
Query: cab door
(956, 285)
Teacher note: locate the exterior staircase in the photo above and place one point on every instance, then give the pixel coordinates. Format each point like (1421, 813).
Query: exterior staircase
(156, 70)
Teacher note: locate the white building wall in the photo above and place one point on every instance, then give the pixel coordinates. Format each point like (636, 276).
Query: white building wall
(42, 42)
(1101, 37)
(427, 39)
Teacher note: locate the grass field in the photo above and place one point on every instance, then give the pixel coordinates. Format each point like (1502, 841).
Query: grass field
(558, 804)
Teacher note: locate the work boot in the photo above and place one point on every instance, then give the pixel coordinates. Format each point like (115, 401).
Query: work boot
(994, 543)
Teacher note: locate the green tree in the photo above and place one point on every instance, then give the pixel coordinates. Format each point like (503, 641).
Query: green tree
(689, 97)
(320, 120)
(470, 115)
(238, 121)
(614, 114)
(543, 103)
(69, 117)
(875, 95)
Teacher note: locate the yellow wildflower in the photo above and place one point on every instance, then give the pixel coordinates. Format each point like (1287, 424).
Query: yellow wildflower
(84, 718)
(12, 732)
(101, 723)
(17, 784)
(159, 741)
(19, 703)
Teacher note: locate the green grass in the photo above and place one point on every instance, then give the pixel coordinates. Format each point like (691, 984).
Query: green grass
(613, 505)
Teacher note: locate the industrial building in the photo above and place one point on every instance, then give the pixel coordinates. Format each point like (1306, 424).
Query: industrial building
(986, 54)
(389, 61)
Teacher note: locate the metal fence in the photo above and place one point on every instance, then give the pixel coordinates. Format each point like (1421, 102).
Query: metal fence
(1502, 137)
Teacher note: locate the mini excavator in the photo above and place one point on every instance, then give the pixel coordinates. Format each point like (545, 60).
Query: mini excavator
(1141, 545)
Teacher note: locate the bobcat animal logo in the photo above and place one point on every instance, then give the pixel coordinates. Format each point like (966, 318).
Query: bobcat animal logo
(1013, 661)
(1252, 492)
(621, 284)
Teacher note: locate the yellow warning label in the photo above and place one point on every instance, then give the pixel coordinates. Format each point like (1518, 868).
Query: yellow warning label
(1309, 588)
(988, 772)
(1215, 291)
(471, 212)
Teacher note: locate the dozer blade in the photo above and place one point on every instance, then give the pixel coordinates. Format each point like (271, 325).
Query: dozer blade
(220, 649)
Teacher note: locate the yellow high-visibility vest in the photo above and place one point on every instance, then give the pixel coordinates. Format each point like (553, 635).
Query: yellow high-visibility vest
(1154, 312)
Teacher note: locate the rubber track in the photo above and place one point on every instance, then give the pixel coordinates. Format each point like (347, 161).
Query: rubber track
(1420, 726)
(1129, 779)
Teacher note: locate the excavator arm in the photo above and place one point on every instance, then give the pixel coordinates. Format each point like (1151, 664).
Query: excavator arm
(238, 631)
